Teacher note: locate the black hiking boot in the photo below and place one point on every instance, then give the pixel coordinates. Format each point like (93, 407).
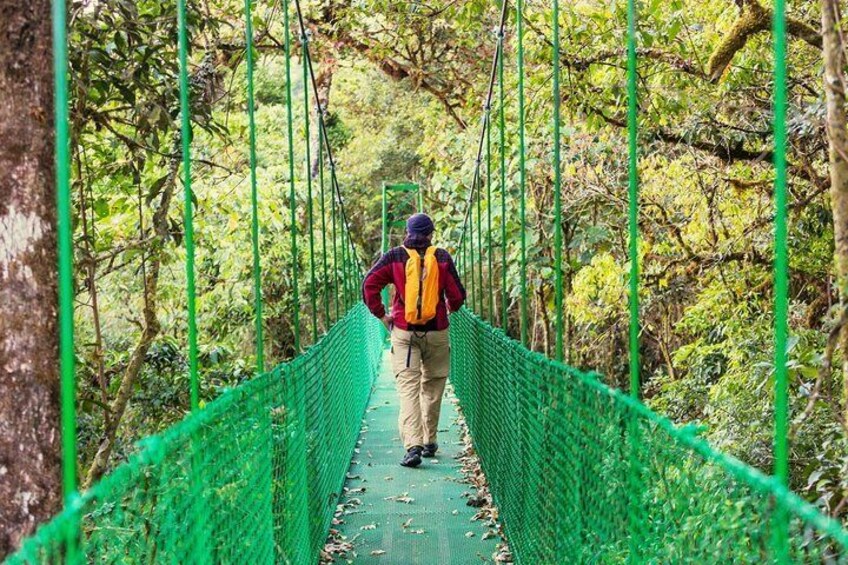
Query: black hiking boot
(412, 457)
(430, 450)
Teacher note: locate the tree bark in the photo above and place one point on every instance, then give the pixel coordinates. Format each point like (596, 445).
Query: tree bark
(30, 465)
(834, 87)
(753, 19)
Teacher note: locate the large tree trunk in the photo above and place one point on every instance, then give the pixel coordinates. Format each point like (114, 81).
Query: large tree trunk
(30, 485)
(834, 86)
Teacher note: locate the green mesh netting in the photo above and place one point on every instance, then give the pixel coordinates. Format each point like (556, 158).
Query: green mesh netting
(252, 478)
(584, 474)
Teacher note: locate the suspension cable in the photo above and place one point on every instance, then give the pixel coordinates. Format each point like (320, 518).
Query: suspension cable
(485, 125)
(322, 124)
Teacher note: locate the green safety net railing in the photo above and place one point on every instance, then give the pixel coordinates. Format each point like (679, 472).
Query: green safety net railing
(582, 473)
(251, 478)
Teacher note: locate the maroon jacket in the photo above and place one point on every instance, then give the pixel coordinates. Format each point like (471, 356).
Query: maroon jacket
(391, 269)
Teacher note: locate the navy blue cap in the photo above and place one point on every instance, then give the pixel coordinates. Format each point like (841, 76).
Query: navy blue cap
(420, 224)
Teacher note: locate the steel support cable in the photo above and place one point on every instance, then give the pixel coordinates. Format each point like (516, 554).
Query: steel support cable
(322, 124)
(482, 138)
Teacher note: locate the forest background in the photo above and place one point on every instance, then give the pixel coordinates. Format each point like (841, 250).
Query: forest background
(403, 83)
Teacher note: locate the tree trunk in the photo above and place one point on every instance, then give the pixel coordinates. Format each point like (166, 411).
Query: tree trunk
(834, 87)
(30, 477)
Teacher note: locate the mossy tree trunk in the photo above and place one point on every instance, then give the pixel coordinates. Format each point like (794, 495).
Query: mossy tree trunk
(834, 86)
(30, 481)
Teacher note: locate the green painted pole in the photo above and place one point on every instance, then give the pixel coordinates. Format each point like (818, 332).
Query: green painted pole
(522, 213)
(557, 94)
(185, 131)
(473, 279)
(254, 193)
(313, 288)
(384, 247)
(633, 196)
(491, 290)
(781, 281)
(478, 190)
(336, 298)
(635, 515)
(502, 133)
(292, 185)
(67, 386)
(324, 264)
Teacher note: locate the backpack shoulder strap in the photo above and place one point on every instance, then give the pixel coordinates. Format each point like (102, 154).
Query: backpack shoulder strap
(413, 254)
(431, 251)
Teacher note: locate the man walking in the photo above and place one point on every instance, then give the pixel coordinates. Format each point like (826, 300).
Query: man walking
(427, 286)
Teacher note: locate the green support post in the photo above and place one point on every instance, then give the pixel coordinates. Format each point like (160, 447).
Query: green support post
(502, 133)
(478, 191)
(557, 164)
(635, 517)
(491, 291)
(633, 196)
(67, 386)
(522, 165)
(781, 283)
(336, 299)
(254, 192)
(324, 264)
(292, 186)
(385, 240)
(313, 289)
(185, 133)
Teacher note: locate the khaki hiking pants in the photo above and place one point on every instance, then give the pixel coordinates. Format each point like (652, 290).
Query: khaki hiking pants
(420, 362)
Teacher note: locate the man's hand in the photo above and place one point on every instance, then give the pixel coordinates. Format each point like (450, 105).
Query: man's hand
(387, 321)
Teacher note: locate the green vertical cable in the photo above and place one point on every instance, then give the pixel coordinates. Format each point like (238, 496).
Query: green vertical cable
(478, 190)
(491, 290)
(502, 133)
(470, 228)
(384, 243)
(292, 191)
(185, 124)
(633, 197)
(519, 13)
(635, 517)
(309, 212)
(557, 185)
(66, 268)
(345, 269)
(781, 284)
(325, 267)
(254, 195)
(334, 237)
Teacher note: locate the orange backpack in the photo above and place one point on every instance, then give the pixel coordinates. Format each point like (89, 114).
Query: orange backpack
(422, 286)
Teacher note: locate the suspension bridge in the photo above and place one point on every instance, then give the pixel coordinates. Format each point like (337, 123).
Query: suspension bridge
(580, 472)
